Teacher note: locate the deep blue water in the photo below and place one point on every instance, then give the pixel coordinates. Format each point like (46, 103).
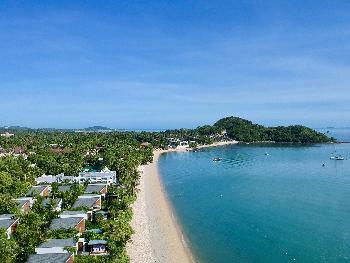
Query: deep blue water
(250, 207)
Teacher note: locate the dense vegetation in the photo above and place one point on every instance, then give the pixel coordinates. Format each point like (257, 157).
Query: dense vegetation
(33, 153)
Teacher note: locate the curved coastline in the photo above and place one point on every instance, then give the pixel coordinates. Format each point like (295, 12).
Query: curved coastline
(157, 235)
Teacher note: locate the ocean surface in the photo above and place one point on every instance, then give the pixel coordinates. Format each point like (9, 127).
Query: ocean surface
(263, 203)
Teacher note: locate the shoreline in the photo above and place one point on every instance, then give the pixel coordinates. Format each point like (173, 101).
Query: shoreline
(158, 237)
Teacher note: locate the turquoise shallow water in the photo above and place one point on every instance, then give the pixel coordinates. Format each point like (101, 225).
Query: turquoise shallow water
(250, 207)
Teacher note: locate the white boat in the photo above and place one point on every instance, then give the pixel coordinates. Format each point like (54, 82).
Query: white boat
(216, 159)
(337, 158)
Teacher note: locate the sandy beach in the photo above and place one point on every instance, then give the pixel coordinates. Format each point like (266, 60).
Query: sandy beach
(157, 238)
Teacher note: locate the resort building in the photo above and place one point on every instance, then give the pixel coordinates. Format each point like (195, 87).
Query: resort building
(183, 144)
(52, 257)
(105, 177)
(49, 179)
(92, 202)
(53, 246)
(42, 190)
(97, 247)
(6, 134)
(24, 204)
(9, 223)
(68, 223)
(100, 189)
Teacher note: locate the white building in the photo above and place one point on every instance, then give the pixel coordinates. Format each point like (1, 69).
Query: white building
(104, 177)
(49, 179)
(108, 178)
(7, 135)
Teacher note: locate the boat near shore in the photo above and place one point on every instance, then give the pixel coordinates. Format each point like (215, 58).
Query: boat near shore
(337, 158)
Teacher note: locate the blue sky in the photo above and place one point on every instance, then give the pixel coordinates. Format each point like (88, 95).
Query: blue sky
(166, 64)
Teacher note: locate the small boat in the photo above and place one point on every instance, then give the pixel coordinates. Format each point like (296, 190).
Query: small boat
(267, 154)
(217, 159)
(337, 158)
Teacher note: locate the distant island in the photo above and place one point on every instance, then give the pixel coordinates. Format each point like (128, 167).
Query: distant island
(244, 130)
(235, 128)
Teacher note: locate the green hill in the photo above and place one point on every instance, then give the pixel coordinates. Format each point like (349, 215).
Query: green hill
(244, 130)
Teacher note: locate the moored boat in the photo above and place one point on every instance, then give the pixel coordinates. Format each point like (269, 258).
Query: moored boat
(337, 158)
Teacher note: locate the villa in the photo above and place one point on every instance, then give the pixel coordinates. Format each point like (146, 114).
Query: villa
(42, 190)
(97, 247)
(68, 223)
(88, 201)
(100, 189)
(52, 257)
(24, 204)
(9, 223)
(53, 246)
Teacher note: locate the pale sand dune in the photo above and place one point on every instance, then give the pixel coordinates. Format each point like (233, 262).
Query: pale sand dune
(157, 237)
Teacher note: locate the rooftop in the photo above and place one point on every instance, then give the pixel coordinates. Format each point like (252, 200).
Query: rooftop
(7, 216)
(94, 188)
(69, 242)
(21, 202)
(36, 189)
(80, 212)
(6, 223)
(46, 179)
(86, 201)
(65, 223)
(49, 258)
(98, 174)
(97, 242)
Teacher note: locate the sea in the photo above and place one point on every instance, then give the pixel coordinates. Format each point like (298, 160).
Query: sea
(263, 202)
